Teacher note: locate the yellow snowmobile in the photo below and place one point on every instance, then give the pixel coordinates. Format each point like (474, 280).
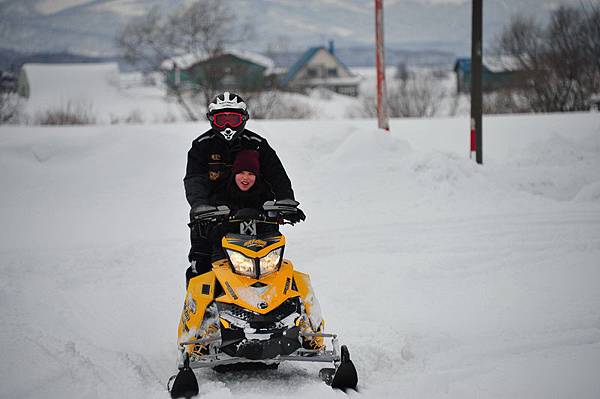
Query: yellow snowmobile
(253, 309)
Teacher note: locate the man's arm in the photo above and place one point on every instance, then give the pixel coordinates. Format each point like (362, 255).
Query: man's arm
(274, 173)
(196, 177)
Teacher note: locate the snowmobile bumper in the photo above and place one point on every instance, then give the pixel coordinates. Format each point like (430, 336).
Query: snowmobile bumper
(342, 376)
(235, 343)
(296, 355)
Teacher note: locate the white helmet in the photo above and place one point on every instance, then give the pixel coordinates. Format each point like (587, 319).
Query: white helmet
(228, 115)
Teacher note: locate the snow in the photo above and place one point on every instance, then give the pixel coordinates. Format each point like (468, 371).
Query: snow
(97, 88)
(444, 278)
(187, 60)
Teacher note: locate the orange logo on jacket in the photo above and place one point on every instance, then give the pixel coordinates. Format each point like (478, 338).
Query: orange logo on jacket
(214, 175)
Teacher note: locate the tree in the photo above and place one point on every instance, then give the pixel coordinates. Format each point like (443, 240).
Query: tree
(414, 95)
(203, 29)
(410, 95)
(561, 62)
(10, 108)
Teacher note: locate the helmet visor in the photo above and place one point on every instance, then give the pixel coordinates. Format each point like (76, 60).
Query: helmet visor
(231, 119)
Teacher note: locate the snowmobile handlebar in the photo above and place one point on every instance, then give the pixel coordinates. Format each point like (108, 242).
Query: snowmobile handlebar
(280, 212)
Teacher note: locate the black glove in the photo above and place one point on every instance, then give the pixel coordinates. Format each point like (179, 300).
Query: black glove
(292, 213)
(199, 210)
(296, 217)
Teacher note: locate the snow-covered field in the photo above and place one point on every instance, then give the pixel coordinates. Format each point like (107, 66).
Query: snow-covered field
(444, 278)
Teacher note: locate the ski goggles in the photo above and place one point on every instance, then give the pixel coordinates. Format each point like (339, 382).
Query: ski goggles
(233, 119)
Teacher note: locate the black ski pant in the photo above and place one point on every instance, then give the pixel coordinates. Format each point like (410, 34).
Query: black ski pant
(200, 254)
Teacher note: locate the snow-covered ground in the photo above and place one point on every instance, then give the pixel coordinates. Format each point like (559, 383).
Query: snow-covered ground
(444, 278)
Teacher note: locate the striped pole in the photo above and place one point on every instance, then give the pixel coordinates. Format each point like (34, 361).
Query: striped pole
(382, 109)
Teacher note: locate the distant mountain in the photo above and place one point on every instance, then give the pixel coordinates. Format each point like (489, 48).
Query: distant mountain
(364, 56)
(11, 60)
(415, 29)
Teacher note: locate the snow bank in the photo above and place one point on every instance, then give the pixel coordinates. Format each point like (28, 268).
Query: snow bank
(445, 278)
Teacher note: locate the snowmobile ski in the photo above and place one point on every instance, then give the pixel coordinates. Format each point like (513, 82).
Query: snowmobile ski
(345, 376)
(184, 383)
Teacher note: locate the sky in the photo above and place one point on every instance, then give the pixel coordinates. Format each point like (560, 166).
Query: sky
(89, 26)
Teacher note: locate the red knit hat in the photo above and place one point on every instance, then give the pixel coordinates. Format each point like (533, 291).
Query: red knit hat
(246, 160)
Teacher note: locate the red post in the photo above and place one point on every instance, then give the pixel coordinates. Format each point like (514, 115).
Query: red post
(382, 109)
(473, 140)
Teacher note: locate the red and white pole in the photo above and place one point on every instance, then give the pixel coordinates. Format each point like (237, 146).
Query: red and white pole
(382, 109)
(473, 153)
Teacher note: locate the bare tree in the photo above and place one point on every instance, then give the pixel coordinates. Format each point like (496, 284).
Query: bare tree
(415, 95)
(203, 29)
(561, 62)
(10, 108)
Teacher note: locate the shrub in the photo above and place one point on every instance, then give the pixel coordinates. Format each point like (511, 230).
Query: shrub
(10, 108)
(67, 114)
(277, 105)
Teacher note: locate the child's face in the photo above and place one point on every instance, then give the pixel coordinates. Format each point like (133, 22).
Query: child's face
(245, 180)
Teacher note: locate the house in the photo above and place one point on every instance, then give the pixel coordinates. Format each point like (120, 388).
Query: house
(319, 67)
(235, 70)
(497, 73)
(52, 82)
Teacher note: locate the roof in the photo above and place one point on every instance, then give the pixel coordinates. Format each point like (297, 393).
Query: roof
(187, 60)
(60, 84)
(70, 79)
(294, 69)
(495, 64)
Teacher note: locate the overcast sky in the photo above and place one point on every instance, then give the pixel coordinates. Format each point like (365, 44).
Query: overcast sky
(90, 25)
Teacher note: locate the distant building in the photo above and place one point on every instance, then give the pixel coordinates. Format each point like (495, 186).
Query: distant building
(497, 73)
(66, 81)
(319, 67)
(236, 70)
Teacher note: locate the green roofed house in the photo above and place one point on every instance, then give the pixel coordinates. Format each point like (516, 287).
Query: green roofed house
(235, 70)
(497, 73)
(319, 67)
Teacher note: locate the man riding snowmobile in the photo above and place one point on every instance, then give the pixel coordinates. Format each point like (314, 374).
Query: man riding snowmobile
(209, 165)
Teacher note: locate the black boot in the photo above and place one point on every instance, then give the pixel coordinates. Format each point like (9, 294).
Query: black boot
(197, 267)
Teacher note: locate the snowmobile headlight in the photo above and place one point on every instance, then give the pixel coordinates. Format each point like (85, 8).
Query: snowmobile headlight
(270, 263)
(241, 264)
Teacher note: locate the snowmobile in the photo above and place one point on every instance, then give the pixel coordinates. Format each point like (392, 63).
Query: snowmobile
(253, 308)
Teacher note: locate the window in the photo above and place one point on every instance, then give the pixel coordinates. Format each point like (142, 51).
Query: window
(332, 72)
(311, 72)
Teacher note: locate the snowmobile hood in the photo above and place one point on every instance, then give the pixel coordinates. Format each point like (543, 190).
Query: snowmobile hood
(252, 246)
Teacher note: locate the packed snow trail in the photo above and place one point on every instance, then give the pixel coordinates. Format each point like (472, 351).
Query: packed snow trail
(445, 279)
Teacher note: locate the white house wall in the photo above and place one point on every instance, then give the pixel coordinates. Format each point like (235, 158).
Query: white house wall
(322, 61)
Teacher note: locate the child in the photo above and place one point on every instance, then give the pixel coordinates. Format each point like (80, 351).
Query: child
(245, 189)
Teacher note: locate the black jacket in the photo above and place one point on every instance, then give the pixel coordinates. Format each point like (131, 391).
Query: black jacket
(209, 167)
(237, 199)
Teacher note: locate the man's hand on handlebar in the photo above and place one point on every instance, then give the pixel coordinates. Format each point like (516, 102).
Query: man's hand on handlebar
(200, 210)
(293, 214)
(296, 217)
